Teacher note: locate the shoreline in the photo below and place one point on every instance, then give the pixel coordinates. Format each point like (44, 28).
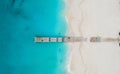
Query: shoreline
(74, 20)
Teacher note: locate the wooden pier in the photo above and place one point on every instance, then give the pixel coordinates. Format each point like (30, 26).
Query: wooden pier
(75, 39)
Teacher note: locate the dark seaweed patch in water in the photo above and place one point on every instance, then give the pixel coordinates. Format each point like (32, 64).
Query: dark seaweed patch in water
(14, 7)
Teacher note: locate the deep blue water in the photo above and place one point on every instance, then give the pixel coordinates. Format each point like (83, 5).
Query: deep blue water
(20, 22)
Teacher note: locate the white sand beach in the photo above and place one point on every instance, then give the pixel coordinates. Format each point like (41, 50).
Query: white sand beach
(94, 18)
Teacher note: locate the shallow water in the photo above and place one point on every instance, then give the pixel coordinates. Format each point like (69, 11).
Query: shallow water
(20, 22)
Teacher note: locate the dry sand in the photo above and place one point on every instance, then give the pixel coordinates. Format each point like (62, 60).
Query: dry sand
(94, 18)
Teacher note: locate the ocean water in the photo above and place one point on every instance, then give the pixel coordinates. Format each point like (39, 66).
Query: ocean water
(20, 22)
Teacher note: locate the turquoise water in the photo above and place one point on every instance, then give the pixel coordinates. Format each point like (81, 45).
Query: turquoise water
(20, 22)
